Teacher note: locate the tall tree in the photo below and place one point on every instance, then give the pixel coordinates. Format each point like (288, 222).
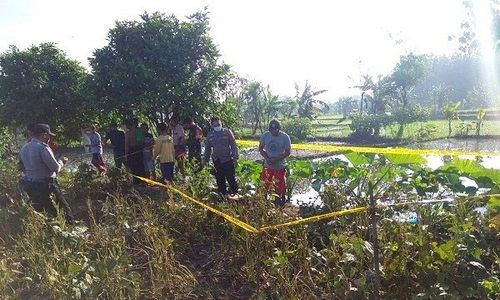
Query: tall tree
(160, 65)
(409, 71)
(41, 84)
(307, 102)
(468, 42)
(376, 96)
(272, 105)
(440, 95)
(255, 104)
(288, 106)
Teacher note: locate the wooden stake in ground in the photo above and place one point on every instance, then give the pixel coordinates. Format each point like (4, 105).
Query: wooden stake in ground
(376, 260)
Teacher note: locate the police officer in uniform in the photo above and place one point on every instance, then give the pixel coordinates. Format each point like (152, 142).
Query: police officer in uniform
(40, 170)
(221, 146)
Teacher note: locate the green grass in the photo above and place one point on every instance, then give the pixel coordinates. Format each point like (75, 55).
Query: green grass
(328, 127)
(441, 129)
(411, 131)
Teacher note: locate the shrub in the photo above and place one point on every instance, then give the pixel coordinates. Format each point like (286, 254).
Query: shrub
(299, 129)
(364, 124)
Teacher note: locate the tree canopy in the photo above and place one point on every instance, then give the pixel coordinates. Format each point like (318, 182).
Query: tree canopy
(159, 65)
(41, 84)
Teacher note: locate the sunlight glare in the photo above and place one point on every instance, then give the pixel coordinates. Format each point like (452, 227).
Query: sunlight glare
(484, 20)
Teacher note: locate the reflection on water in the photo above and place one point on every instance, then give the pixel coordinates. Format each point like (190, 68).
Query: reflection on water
(470, 144)
(310, 196)
(77, 156)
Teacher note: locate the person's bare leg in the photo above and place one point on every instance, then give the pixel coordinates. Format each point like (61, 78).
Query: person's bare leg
(180, 165)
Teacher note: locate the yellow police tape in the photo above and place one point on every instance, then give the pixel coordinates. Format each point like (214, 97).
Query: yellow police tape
(361, 209)
(376, 150)
(231, 219)
(312, 219)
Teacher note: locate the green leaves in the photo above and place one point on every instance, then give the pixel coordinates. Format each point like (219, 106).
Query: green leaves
(356, 159)
(41, 84)
(405, 159)
(446, 251)
(159, 64)
(488, 178)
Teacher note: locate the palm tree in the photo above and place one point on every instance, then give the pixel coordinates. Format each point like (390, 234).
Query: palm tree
(450, 112)
(306, 101)
(272, 105)
(288, 107)
(375, 96)
(480, 120)
(255, 103)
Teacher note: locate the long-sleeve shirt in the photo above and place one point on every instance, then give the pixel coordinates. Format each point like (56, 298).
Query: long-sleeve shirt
(39, 161)
(221, 145)
(164, 149)
(95, 142)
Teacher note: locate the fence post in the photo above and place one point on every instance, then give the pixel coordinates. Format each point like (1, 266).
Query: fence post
(374, 235)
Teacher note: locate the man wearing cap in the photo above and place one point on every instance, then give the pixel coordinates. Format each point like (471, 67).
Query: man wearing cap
(40, 169)
(221, 146)
(275, 146)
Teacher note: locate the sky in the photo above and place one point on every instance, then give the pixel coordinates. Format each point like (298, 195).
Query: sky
(280, 43)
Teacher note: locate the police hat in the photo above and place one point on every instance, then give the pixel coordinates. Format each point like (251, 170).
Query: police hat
(42, 128)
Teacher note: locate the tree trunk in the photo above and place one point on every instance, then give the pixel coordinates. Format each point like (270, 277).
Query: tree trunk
(401, 130)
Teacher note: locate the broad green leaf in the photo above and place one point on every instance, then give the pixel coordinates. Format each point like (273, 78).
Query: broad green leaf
(356, 159)
(406, 159)
(474, 169)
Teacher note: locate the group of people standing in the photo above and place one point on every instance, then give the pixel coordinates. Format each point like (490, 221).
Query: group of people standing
(137, 149)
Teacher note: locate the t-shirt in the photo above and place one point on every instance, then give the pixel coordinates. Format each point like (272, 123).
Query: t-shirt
(117, 138)
(178, 135)
(148, 146)
(134, 137)
(275, 146)
(164, 149)
(195, 135)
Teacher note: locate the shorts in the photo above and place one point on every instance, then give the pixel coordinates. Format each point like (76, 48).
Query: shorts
(274, 179)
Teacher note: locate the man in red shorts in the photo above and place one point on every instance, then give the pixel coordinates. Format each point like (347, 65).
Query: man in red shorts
(275, 146)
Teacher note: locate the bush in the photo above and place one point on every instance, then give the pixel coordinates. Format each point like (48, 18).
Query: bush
(364, 124)
(299, 129)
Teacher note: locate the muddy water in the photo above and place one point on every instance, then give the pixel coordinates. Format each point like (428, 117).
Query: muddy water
(470, 144)
(77, 156)
(309, 195)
